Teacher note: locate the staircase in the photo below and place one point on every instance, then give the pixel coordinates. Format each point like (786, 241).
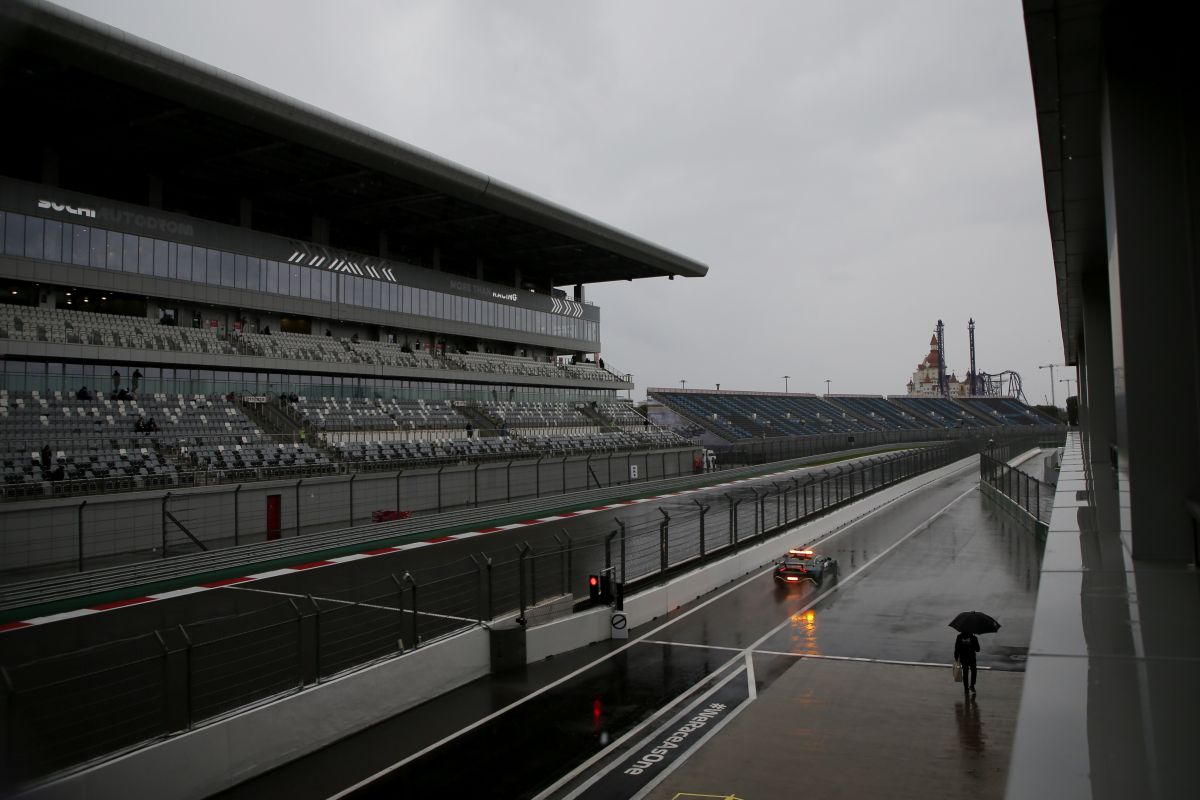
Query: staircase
(269, 417)
(484, 425)
(606, 424)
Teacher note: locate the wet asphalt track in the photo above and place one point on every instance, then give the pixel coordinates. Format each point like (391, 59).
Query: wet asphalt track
(902, 579)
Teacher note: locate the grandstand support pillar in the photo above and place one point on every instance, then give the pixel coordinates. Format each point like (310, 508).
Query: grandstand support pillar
(703, 511)
(1097, 409)
(1148, 145)
(79, 531)
(298, 505)
(237, 490)
(439, 487)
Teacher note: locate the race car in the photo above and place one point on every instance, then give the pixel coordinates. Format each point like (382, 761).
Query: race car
(801, 565)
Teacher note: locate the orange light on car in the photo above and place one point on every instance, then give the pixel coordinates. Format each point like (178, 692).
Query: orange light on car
(792, 578)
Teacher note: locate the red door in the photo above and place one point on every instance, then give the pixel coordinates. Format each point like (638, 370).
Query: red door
(274, 516)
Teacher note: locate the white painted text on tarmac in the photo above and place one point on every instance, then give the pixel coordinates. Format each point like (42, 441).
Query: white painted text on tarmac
(677, 738)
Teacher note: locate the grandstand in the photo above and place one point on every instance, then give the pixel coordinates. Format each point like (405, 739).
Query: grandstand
(724, 417)
(284, 292)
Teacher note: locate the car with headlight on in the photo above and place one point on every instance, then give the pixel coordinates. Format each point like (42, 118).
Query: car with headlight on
(801, 565)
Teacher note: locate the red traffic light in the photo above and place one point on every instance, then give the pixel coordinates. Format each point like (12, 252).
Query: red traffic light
(593, 580)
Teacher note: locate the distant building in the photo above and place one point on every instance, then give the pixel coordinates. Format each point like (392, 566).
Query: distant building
(924, 382)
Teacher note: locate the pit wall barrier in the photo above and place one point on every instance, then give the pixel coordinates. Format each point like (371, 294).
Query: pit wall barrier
(593, 625)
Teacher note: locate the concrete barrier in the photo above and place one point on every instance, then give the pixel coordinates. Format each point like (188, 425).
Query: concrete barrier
(219, 755)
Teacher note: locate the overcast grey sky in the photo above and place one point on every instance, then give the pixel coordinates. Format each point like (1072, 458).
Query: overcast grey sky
(851, 171)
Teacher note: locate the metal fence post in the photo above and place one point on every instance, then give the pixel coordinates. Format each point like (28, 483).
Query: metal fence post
(79, 532)
(187, 679)
(237, 490)
(165, 498)
(733, 531)
(298, 505)
(439, 487)
(351, 486)
(537, 477)
(703, 511)
(522, 551)
(318, 666)
(416, 631)
(663, 533)
(621, 524)
(478, 464)
(608, 562)
(564, 546)
(508, 482)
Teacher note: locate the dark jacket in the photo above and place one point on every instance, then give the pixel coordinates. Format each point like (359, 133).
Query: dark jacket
(966, 645)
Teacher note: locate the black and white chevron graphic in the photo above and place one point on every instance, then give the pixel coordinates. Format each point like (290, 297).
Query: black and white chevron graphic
(342, 265)
(567, 308)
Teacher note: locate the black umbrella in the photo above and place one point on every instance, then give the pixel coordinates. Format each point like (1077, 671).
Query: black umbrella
(974, 622)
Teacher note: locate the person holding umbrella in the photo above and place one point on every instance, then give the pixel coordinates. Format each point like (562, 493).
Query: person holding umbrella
(966, 645)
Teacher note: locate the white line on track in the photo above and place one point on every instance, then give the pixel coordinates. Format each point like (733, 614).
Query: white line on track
(613, 653)
(703, 740)
(349, 603)
(818, 656)
(651, 734)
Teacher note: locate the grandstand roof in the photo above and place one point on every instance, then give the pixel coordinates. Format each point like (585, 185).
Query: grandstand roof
(1067, 97)
(115, 108)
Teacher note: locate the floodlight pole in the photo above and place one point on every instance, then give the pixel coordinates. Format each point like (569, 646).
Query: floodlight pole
(827, 387)
(1051, 367)
(785, 383)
